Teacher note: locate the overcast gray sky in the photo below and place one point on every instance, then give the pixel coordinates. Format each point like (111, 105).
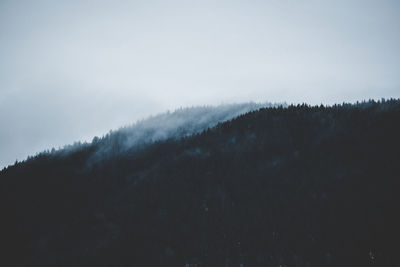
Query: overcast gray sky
(70, 70)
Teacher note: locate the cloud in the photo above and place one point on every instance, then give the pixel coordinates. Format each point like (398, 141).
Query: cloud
(70, 70)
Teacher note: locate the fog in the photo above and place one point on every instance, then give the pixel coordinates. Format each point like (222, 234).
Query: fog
(170, 125)
(71, 70)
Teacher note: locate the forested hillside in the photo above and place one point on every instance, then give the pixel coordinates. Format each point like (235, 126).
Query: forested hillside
(280, 186)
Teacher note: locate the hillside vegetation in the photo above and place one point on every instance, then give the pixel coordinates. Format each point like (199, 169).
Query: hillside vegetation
(279, 186)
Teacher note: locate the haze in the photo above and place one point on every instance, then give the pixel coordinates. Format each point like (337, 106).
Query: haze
(70, 70)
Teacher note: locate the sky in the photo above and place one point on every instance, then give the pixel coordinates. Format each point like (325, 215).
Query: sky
(70, 70)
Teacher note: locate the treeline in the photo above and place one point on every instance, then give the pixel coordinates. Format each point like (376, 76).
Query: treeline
(296, 186)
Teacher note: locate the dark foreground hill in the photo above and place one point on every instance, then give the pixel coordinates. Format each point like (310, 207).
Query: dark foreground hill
(295, 186)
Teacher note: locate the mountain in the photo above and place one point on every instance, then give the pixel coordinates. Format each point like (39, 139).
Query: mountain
(278, 186)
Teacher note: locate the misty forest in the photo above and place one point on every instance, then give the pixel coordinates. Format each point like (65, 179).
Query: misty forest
(235, 185)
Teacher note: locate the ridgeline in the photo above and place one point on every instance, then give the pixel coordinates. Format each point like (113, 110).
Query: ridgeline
(280, 186)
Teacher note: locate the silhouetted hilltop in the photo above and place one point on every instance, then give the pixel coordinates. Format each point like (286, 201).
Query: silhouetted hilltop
(294, 186)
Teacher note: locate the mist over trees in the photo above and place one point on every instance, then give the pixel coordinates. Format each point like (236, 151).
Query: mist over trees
(180, 123)
(292, 186)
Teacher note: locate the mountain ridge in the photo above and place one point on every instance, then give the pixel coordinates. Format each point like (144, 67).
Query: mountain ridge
(299, 185)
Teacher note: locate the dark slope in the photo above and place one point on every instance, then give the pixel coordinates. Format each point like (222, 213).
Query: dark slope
(301, 186)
